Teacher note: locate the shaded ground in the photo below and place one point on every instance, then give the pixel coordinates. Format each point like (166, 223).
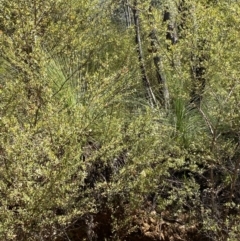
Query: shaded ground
(144, 228)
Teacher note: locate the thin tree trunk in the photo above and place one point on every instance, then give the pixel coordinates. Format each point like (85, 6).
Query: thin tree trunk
(197, 67)
(172, 31)
(171, 34)
(149, 93)
(161, 78)
(127, 12)
(199, 81)
(197, 57)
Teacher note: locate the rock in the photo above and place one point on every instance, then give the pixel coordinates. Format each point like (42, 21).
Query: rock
(153, 213)
(153, 221)
(150, 235)
(145, 227)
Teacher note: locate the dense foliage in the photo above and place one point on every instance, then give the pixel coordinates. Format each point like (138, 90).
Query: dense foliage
(119, 109)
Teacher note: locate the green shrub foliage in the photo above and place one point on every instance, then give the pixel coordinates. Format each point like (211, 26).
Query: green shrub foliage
(118, 107)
